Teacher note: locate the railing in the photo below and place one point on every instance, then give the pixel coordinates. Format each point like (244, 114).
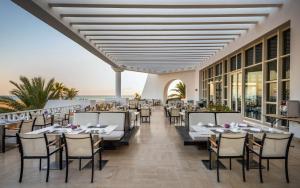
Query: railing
(25, 115)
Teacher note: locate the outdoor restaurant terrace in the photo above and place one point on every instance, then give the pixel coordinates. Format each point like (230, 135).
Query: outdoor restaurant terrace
(233, 119)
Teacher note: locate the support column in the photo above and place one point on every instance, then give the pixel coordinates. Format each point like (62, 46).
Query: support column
(118, 81)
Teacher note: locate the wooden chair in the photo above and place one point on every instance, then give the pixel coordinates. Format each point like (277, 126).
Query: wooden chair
(81, 146)
(174, 114)
(273, 146)
(23, 127)
(231, 145)
(35, 146)
(42, 121)
(145, 115)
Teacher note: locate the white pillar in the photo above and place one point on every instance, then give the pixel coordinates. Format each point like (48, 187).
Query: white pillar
(118, 81)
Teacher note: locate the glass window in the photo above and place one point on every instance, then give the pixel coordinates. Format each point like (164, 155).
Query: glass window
(272, 71)
(225, 66)
(258, 53)
(253, 92)
(286, 67)
(210, 72)
(271, 109)
(249, 57)
(219, 92)
(239, 61)
(271, 92)
(236, 91)
(285, 90)
(225, 93)
(233, 63)
(233, 91)
(286, 42)
(211, 90)
(225, 80)
(272, 48)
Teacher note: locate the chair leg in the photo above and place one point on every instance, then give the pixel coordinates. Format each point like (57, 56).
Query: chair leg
(229, 163)
(243, 166)
(60, 159)
(67, 169)
(218, 176)
(48, 168)
(248, 162)
(80, 164)
(268, 164)
(100, 160)
(170, 119)
(21, 171)
(260, 171)
(40, 165)
(92, 180)
(209, 159)
(287, 171)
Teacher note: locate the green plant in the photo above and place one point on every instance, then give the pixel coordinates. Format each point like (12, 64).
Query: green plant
(34, 94)
(59, 90)
(70, 93)
(29, 94)
(179, 91)
(218, 108)
(137, 96)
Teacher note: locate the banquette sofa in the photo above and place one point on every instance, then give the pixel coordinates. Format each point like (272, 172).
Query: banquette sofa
(207, 118)
(103, 118)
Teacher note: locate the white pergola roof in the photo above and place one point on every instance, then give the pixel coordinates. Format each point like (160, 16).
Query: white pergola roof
(152, 36)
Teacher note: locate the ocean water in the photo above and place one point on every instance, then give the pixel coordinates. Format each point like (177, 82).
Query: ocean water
(93, 97)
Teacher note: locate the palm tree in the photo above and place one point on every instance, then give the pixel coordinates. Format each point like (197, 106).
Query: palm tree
(180, 91)
(70, 93)
(29, 94)
(59, 90)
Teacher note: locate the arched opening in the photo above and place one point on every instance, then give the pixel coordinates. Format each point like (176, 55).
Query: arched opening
(174, 89)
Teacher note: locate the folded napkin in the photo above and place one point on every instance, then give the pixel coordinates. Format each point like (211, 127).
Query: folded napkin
(243, 125)
(220, 130)
(211, 124)
(255, 129)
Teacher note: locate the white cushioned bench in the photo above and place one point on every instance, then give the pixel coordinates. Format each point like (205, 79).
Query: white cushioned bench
(113, 118)
(103, 118)
(84, 118)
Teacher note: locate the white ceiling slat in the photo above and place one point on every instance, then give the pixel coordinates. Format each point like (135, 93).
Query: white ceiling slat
(153, 36)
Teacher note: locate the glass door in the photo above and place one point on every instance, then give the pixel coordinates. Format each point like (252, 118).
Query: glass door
(236, 91)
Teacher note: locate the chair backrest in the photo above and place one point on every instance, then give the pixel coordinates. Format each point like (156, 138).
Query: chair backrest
(174, 111)
(27, 125)
(232, 144)
(84, 118)
(31, 145)
(276, 145)
(40, 120)
(113, 118)
(145, 112)
(229, 117)
(202, 117)
(78, 145)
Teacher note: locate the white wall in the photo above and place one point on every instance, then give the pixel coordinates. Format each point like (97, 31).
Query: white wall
(155, 85)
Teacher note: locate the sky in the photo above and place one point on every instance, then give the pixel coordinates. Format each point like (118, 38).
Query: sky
(31, 48)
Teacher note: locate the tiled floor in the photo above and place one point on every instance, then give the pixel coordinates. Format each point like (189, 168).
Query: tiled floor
(156, 157)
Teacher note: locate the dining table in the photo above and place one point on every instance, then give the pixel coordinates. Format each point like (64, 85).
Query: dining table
(54, 134)
(213, 132)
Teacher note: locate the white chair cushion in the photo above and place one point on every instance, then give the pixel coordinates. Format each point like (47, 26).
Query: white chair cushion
(111, 118)
(115, 135)
(223, 118)
(204, 118)
(86, 118)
